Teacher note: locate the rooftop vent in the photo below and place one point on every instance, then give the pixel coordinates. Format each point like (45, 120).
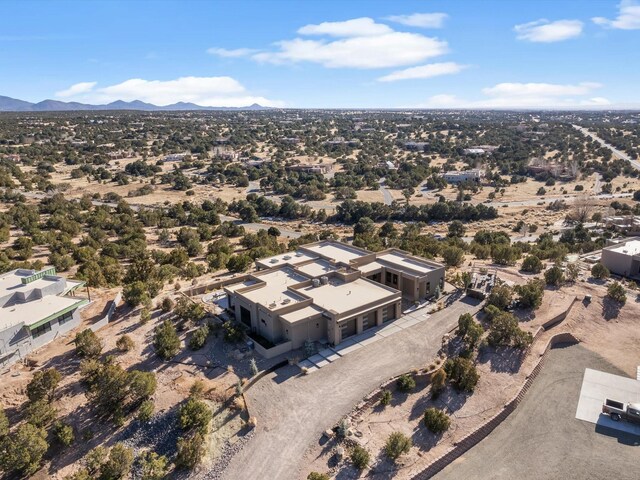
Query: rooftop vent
(273, 260)
(324, 280)
(315, 282)
(286, 301)
(287, 257)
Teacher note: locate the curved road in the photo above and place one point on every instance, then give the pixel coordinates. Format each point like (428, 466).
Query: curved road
(293, 411)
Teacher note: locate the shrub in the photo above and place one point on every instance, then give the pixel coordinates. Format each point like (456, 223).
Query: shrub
(405, 383)
(194, 415)
(532, 264)
(397, 444)
(145, 316)
(153, 466)
(232, 332)
(146, 410)
(360, 457)
(88, 345)
(166, 305)
(506, 332)
(43, 385)
(190, 451)
(166, 340)
(318, 476)
(118, 464)
(188, 310)
(453, 256)
(40, 413)
(464, 321)
(436, 420)
(438, 382)
(125, 343)
(462, 372)
(616, 292)
(63, 433)
(530, 294)
(23, 449)
(385, 397)
(554, 276)
(4, 423)
(501, 296)
(599, 271)
(95, 459)
(199, 338)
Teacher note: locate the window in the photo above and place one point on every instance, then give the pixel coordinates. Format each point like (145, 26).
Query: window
(65, 318)
(395, 279)
(388, 277)
(41, 330)
(385, 313)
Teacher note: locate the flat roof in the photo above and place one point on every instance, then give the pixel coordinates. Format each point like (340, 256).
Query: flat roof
(34, 311)
(338, 252)
(301, 314)
(317, 268)
(276, 288)
(342, 297)
(11, 282)
(632, 247)
(236, 286)
(405, 262)
(287, 258)
(368, 268)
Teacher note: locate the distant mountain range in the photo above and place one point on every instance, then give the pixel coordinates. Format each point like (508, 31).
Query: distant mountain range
(8, 104)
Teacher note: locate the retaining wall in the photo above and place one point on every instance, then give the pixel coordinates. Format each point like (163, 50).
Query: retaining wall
(107, 317)
(476, 436)
(273, 351)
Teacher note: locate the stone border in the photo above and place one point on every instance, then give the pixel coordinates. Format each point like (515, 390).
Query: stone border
(480, 433)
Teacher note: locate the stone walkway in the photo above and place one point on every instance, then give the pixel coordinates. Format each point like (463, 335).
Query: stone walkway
(356, 342)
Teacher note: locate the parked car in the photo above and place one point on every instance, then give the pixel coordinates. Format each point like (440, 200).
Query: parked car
(621, 411)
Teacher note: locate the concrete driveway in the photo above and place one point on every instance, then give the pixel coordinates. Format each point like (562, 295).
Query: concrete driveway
(294, 410)
(542, 439)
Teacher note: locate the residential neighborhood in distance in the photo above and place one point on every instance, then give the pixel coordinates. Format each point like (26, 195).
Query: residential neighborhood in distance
(275, 240)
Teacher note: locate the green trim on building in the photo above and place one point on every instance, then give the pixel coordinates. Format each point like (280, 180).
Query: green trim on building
(74, 288)
(38, 275)
(78, 304)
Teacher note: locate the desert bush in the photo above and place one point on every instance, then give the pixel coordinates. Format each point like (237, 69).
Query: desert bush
(22, 450)
(462, 373)
(436, 420)
(153, 466)
(88, 345)
(438, 382)
(166, 340)
(199, 338)
(125, 343)
(43, 385)
(145, 411)
(194, 415)
(63, 433)
(190, 451)
(405, 383)
(360, 457)
(397, 444)
(118, 463)
(616, 291)
(385, 397)
(599, 271)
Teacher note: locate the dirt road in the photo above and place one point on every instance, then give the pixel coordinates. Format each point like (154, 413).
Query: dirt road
(293, 410)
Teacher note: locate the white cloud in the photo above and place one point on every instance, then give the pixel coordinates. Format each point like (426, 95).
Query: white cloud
(628, 17)
(357, 27)
(231, 53)
(381, 51)
(545, 31)
(525, 95)
(423, 20)
(539, 89)
(204, 91)
(76, 89)
(424, 71)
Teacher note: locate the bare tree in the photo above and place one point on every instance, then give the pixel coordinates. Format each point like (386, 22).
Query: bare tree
(582, 208)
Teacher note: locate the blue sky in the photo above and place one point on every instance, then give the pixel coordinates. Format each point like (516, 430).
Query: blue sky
(329, 53)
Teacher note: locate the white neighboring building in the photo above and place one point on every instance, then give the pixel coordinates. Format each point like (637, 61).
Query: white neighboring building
(622, 258)
(454, 176)
(35, 307)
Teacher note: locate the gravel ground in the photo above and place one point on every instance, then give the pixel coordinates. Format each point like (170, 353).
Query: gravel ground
(543, 440)
(293, 410)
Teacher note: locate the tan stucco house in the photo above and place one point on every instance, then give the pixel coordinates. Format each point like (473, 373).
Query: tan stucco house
(329, 291)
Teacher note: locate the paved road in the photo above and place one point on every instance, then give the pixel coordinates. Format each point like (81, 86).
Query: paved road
(616, 153)
(543, 440)
(386, 194)
(293, 411)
